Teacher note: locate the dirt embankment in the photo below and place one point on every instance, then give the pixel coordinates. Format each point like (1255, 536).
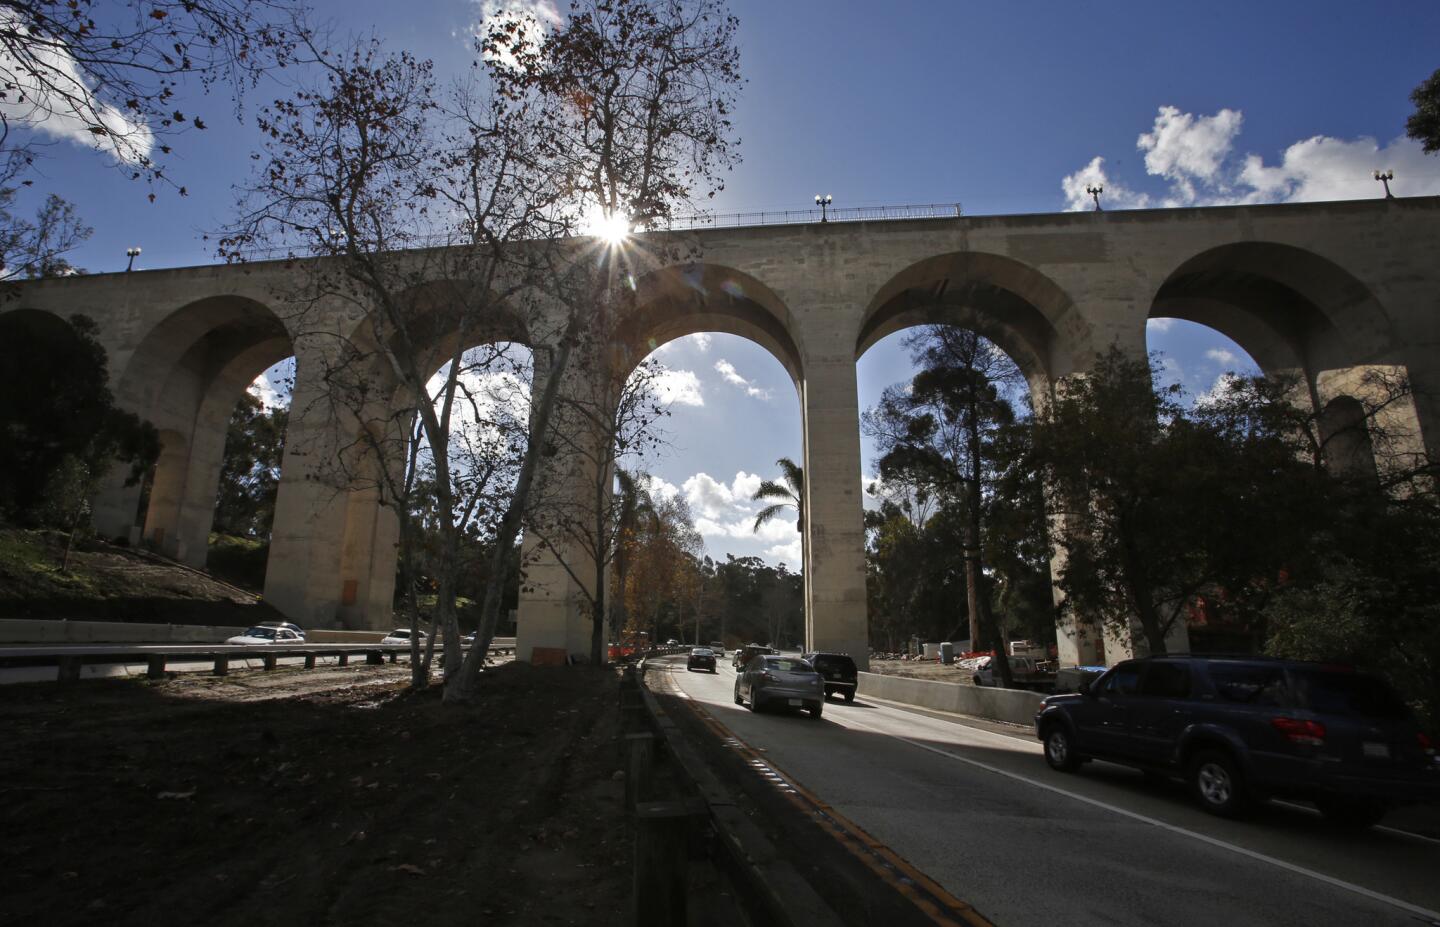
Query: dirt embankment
(108, 582)
(328, 797)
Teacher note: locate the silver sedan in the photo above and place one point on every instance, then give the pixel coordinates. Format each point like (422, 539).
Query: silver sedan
(782, 681)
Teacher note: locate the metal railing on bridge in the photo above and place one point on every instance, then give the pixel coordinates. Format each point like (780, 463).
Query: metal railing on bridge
(805, 216)
(693, 222)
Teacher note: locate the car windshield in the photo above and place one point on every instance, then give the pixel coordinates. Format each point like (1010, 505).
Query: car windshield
(1349, 693)
(789, 665)
(268, 633)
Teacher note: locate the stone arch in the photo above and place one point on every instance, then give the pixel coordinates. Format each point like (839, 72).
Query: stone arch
(1023, 311)
(1289, 308)
(684, 299)
(185, 376)
(1345, 439)
(369, 430)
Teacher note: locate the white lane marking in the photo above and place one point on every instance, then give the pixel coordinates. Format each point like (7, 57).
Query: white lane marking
(1155, 822)
(1020, 745)
(1315, 812)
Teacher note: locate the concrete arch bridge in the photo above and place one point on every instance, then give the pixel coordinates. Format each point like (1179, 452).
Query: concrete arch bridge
(1328, 291)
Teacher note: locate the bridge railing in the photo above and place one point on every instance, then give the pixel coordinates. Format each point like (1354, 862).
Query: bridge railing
(695, 221)
(804, 216)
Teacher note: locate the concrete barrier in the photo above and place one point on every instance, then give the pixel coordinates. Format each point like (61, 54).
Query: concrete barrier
(1013, 705)
(43, 631)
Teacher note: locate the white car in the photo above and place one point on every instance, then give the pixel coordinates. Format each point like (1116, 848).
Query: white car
(401, 636)
(261, 634)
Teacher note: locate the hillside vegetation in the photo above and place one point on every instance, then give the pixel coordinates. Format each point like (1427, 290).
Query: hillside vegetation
(108, 582)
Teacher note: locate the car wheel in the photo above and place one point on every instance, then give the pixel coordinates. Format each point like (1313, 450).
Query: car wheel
(1060, 749)
(738, 699)
(1218, 786)
(850, 695)
(817, 710)
(1351, 813)
(978, 681)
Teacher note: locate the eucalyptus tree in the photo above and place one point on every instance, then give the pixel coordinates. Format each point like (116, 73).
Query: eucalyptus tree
(939, 432)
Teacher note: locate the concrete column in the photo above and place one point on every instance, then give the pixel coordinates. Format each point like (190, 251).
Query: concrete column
(302, 577)
(116, 506)
(553, 609)
(836, 612)
(162, 517)
(197, 502)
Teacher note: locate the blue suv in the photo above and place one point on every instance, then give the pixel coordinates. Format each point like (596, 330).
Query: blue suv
(1239, 729)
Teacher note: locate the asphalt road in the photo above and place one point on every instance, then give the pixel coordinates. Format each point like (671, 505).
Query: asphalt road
(974, 806)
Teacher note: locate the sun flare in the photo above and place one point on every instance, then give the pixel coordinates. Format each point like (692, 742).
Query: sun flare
(612, 229)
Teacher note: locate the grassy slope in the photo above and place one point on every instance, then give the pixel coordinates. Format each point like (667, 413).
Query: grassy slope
(106, 582)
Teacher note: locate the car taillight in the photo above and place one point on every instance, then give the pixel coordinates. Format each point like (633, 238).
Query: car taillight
(1427, 746)
(1311, 733)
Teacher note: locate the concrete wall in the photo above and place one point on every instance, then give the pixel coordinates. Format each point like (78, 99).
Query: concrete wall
(1010, 705)
(40, 631)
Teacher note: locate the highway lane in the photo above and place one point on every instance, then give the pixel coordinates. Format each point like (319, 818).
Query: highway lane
(980, 812)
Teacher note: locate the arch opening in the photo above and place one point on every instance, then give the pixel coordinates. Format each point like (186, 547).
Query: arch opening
(922, 514)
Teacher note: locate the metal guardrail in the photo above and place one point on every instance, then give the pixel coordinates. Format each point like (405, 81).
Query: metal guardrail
(70, 660)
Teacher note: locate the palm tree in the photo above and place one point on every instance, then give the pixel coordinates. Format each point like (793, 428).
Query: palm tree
(789, 495)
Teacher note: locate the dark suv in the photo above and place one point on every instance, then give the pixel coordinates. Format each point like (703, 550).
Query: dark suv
(838, 671)
(1246, 728)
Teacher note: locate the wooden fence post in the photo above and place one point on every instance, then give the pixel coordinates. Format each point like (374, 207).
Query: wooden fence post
(69, 669)
(662, 831)
(638, 768)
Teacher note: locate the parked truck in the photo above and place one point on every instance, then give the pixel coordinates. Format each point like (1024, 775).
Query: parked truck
(1025, 673)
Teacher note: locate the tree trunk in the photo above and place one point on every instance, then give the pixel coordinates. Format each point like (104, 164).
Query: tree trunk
(977, 592)
(462, 687)
(1138, 586)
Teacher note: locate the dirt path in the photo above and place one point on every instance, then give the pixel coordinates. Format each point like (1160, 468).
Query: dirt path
(327, 797)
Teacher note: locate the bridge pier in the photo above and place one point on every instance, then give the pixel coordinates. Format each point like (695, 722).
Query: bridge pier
(835, 611)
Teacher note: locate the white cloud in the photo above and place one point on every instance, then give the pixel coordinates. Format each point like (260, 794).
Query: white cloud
(659, 489)
(787, 553)
(701, 341)
(775, 530)
(1188, 149)
(1223, 357)
(1217, 389)
(1155, 326)
(530, 18)
(711, 499)
(1171, 371)
(70, 114)
(677, 386)
(728, 372)
(1196, 156)
(1323, 168)
(1115, 194)
(264, 391)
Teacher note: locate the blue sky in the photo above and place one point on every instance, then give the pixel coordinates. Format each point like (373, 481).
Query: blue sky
(1002, 107)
